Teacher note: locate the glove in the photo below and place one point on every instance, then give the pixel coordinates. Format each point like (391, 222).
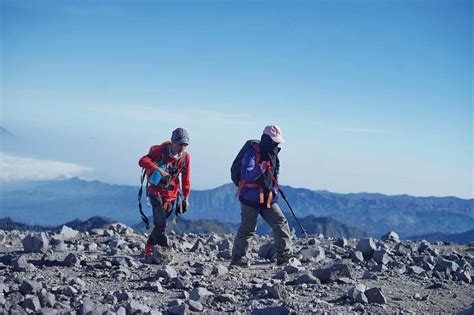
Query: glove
(184, 205)
(264, 166)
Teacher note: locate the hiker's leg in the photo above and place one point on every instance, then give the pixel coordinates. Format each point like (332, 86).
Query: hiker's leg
(281, 232)
(158, 236)
(248, 226)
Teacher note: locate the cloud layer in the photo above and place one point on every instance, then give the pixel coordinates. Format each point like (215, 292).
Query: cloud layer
(14, 168)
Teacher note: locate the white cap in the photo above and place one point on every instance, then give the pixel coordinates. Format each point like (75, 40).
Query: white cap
(274, 132)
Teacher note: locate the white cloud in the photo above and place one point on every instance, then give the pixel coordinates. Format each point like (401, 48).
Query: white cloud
(14, 168)
(175, 113)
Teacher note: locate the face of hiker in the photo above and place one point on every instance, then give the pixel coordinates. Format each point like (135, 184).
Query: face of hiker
(267, 144)
(177, 148)
(179, 141)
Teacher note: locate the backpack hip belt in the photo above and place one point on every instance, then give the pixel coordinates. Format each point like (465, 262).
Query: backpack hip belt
(261, 195)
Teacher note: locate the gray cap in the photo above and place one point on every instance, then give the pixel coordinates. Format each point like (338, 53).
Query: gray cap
(180, 135)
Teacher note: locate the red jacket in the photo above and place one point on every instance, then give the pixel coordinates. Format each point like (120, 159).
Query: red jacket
(155, 154)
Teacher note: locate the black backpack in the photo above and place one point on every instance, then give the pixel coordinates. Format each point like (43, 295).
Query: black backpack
(235, 169)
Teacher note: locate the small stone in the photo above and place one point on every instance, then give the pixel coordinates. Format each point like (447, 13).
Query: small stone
(357, 257)
(391, 237)
(195, 306)
(200, 294)
(374, 295)
(278, 291)
(341, 242)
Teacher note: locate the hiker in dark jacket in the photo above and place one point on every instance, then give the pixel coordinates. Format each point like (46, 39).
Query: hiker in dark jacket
(258, 195)
(169, 159)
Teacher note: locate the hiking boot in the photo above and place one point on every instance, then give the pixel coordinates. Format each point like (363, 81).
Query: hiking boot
(148, 250)
(240, 262)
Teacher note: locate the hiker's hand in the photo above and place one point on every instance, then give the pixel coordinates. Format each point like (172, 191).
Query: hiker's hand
(163, 173)
(185, 205)
(264, 166)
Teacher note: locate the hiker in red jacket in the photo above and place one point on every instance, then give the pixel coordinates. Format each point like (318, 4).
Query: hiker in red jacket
(163, 164)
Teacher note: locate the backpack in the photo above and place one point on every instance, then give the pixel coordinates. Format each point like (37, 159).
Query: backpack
(235, 169)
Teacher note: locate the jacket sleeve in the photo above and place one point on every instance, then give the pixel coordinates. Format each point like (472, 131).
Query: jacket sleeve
(249, 170)
(186, 176)
(146, 161)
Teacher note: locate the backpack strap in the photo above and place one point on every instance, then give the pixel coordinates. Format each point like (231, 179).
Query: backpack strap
(256, 146)
(140, 191)
(144, 217)
(183, 166)
(164, 153)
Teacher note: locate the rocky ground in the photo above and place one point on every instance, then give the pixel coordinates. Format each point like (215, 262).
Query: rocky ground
(103, 272)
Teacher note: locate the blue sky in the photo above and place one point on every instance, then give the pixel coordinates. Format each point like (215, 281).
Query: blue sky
(372, 96)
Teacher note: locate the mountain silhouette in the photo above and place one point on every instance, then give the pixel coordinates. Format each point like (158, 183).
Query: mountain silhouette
(59, 201)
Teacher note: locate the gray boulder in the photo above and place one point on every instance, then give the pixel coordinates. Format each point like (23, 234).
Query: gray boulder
(278, 291)
(29, 286)
(391, 237)
(356, 291)
(374, 295)
(167, 272)
(366, 246)
(35, 243)
(314, 253)
(201, 294)
(341, 242)
(357, 257)
(32, 304)
(67, 233)
(381, 256)
(333, 273)
(224, 244)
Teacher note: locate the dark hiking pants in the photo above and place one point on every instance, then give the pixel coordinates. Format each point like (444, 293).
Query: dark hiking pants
(248, 226)
(158, 236)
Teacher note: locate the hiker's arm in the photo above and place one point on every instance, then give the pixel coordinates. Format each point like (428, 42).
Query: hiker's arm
(186, 177)
(146, 161)
(250, 171)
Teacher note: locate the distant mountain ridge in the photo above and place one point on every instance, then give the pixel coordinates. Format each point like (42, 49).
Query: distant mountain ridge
(8, 224)
(55, 202)
(312, 225)
(460, 238)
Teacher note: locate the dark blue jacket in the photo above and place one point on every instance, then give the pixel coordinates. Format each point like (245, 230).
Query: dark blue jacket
(249, 174)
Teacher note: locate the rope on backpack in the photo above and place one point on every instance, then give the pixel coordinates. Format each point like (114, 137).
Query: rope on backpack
(144, 217)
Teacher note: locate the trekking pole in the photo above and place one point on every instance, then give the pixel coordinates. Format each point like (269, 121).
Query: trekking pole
(270, 172)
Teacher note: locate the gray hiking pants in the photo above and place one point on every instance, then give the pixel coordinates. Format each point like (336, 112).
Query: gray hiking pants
(248, 225)
(158, 236)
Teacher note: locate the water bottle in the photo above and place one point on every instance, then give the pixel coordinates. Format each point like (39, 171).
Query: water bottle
(156, 177)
